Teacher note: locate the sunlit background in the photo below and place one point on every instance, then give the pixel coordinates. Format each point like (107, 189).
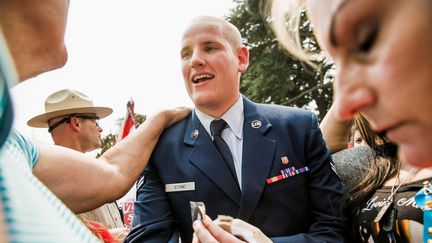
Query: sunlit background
(118, 50)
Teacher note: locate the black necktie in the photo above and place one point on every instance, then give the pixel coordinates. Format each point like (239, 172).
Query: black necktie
(216, 127)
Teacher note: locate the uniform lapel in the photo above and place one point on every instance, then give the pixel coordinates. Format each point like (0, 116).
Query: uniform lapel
(258, 154)
(208, 160)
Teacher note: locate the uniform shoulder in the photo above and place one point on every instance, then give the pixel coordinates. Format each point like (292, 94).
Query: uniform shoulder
(280, 111)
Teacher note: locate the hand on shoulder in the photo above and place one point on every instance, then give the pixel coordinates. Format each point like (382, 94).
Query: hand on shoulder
(170, 116)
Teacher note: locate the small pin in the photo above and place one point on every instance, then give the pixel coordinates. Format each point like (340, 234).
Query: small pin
(285, 160)
(194, 134)
(256, 124)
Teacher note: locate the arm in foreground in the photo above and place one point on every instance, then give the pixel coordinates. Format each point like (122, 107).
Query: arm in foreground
(335, 131)
(325, 192)
(84, 183)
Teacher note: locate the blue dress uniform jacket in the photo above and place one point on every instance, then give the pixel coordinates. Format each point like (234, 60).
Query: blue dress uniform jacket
(300, 208)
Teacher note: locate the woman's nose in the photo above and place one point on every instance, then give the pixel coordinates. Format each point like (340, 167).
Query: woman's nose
(352, 94)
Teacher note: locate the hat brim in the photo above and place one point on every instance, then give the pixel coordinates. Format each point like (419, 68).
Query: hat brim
(42, 120)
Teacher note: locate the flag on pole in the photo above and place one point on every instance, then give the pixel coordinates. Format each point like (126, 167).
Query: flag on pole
(129, 124)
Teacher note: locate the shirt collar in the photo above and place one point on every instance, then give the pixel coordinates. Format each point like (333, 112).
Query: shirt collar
(234, 117)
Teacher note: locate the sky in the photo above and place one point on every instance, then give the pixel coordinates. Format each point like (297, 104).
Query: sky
(118, 50)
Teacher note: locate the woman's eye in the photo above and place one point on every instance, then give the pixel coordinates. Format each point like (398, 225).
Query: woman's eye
(366, 37)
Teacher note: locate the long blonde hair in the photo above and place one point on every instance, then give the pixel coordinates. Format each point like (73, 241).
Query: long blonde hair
(285, 16)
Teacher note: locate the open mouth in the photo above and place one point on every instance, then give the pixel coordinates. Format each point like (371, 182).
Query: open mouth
(201, 78)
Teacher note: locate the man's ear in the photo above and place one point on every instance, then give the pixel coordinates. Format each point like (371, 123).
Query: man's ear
(75, 123)
(243, 57)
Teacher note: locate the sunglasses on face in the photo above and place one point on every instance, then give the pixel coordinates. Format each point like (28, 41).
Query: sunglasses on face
(67, 120)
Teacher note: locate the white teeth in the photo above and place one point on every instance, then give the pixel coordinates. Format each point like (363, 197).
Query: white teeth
(196, 79)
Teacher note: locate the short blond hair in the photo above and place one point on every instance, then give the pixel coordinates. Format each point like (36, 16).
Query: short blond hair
(230, 31)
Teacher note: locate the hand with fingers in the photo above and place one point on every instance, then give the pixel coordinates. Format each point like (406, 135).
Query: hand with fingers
(232, 231)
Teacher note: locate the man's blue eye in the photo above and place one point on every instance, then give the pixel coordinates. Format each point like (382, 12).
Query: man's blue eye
(210, 48)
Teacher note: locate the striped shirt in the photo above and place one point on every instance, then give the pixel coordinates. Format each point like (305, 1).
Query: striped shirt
(32, 212)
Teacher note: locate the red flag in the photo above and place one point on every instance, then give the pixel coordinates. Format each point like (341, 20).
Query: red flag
(129, 122)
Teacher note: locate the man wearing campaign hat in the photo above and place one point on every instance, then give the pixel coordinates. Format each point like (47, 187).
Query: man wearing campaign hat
(72, 120)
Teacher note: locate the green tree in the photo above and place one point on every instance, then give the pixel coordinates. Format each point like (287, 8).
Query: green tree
(109, 140)
(274, 76)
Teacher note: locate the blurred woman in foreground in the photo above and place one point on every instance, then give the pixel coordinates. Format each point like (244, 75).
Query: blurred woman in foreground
(382, 54)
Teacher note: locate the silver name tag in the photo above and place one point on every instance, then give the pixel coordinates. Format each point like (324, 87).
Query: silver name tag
(179, 187)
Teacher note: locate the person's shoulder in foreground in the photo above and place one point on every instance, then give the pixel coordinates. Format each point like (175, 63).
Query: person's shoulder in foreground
(48, 216)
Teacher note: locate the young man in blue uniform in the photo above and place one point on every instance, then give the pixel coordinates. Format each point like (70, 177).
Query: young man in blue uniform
(265, 164)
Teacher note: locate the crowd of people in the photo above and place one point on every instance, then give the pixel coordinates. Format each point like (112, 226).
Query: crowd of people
(270, 167)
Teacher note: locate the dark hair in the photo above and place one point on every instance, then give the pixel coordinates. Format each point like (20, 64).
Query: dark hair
(383, 167)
